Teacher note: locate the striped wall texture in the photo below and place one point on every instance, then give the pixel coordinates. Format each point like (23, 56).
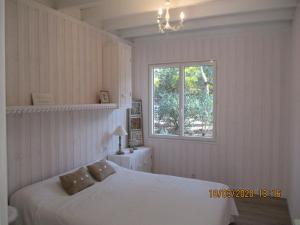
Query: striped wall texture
(251, 62)
(3, 162)
(292, 118)
(42, 145)
(49, 52)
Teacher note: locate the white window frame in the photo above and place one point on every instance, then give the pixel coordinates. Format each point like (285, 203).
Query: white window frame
(181, 66)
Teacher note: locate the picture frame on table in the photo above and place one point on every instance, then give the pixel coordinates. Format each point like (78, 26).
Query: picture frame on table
(136, 138)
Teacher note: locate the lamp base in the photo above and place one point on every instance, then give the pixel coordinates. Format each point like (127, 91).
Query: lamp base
(120, 152)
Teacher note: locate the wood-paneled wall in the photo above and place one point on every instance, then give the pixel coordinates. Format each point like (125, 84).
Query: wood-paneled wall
(292, 131)
(50, 52)
(251, 62)
(3, 163)
(42, 145)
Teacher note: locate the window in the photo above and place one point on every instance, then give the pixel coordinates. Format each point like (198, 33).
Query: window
(182, 100)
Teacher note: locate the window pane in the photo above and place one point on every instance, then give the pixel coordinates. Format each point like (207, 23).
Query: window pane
(198, 100)
(166, 100)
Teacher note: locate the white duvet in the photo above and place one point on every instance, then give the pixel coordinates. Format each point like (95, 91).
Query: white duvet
(125, 198)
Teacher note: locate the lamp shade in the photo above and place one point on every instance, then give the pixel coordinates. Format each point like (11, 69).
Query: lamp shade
(120, 131)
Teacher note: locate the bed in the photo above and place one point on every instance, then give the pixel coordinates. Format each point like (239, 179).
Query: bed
(125, 198)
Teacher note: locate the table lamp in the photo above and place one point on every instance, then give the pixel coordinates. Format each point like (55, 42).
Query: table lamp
(120, 131)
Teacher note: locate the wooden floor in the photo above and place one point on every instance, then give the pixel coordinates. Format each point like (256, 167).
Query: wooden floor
(262, 211)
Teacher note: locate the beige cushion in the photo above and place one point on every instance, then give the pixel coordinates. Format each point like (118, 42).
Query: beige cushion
(76, 181)
(100, 170)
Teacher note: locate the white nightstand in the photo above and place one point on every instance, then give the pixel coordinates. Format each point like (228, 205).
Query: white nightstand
(140, 159)
(12, 215)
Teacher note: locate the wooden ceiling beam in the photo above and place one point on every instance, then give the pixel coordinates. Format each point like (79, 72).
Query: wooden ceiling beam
(214, 22)
(212, 9)
(80, 4)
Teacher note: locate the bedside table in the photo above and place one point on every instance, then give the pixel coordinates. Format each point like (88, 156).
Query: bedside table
(140, 159)
(12, 215)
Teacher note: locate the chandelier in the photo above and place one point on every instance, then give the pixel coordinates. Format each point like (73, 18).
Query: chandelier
(163, 19)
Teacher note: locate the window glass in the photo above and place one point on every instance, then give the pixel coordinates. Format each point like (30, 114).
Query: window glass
(166, 100)
(198, 100)
(183, 100)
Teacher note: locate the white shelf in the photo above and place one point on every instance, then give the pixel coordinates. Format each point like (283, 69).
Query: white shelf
(58, 108)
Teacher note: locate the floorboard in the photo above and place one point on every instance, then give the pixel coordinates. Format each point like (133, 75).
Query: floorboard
(262, 211)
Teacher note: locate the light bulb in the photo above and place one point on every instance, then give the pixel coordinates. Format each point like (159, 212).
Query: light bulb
(160, 11)
(182, 16)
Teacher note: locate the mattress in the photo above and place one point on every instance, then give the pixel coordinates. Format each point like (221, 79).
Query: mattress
(125, 198)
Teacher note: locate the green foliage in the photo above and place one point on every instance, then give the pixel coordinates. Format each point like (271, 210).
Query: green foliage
(166, 100)
(198, 110)
(198, 95)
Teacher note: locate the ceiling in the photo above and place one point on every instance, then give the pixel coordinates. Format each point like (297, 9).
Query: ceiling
(135, 18)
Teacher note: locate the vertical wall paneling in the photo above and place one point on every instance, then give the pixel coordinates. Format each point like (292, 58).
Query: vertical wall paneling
(12, 58)
(99, 59)
(117, 72)
(291, 117)
(3, 152)
(49, 52)
(247, 152)
(55, 142)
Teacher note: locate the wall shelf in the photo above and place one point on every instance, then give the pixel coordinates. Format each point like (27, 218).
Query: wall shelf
(58, 108)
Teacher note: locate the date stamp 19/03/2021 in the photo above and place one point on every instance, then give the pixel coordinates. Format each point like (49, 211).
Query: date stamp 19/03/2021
(244, 193)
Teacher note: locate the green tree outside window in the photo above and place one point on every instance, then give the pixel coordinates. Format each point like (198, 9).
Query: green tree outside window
(198, 103)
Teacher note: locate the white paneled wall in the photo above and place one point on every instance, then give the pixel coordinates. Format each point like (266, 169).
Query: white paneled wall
(292, 118)
(50, 52)
(250, 64)
(41, 145)
(3, 163)
(49, 3)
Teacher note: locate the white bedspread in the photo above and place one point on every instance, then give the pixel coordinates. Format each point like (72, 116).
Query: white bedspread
(125, 198)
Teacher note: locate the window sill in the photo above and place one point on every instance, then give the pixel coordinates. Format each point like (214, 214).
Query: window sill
(180, 138)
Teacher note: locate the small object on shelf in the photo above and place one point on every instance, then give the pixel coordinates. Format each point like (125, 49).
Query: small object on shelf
(140, 160)
(42, 99)
(120, 131)
(12, 214)
(135, 124)
(104, 97)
